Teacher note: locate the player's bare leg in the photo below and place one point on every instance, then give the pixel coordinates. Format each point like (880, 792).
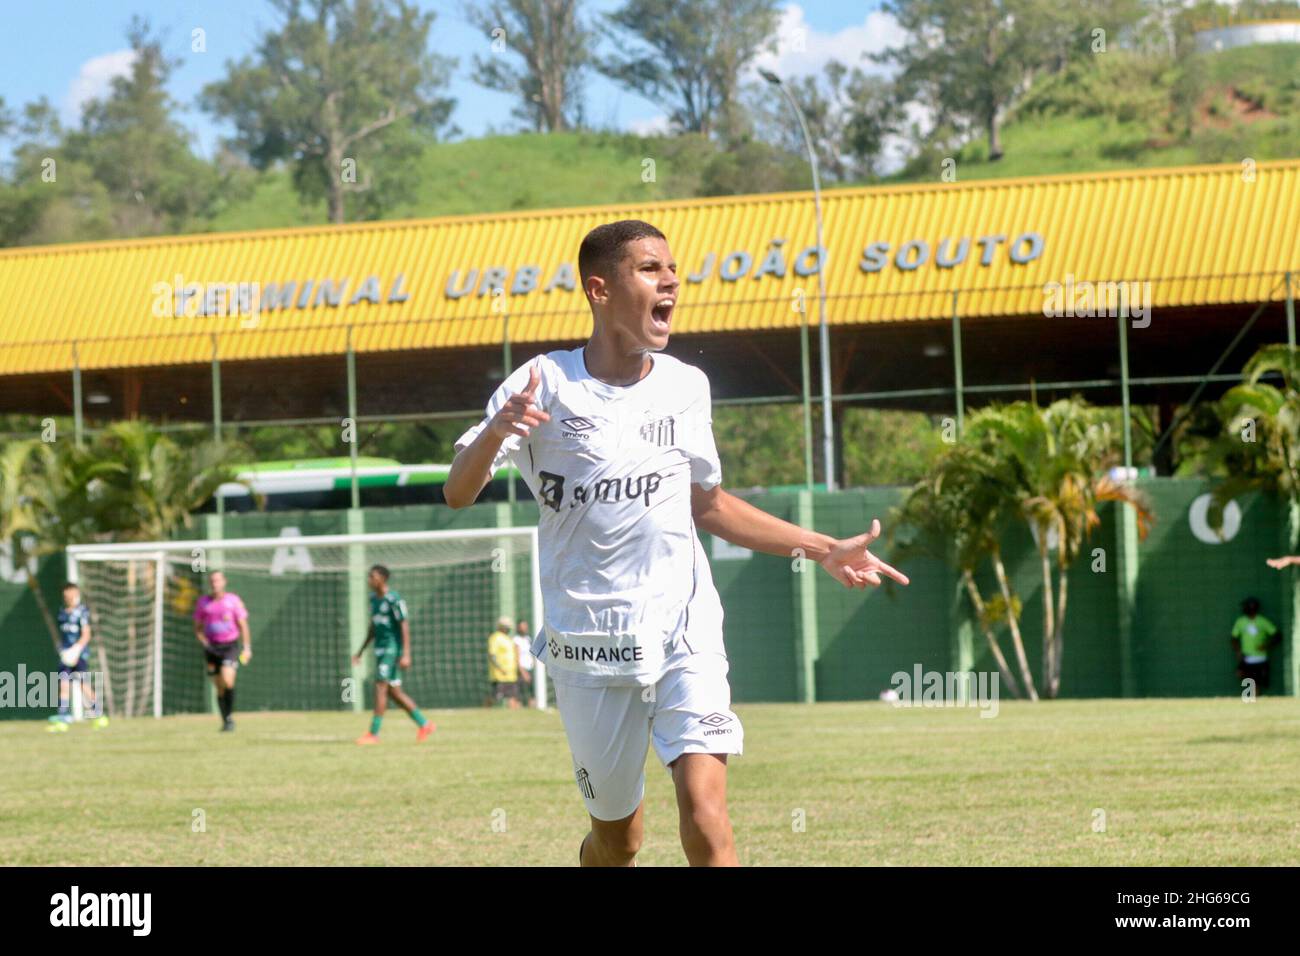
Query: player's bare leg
(381, 707)
(407, 703)
(613, 842)
(701, 782)
(401, 698)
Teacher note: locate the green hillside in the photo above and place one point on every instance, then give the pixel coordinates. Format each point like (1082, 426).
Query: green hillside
(1124, 112)
(1118, 113)
(524, 171)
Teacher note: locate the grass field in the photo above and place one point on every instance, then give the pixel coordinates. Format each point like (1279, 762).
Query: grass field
(1181, 782)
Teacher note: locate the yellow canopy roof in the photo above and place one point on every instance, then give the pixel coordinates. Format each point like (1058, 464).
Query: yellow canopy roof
(1199, 235)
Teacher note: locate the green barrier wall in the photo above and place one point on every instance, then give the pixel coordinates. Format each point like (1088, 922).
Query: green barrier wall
(1143, 619)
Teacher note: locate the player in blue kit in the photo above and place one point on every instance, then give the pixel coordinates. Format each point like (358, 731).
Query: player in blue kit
(74, 659)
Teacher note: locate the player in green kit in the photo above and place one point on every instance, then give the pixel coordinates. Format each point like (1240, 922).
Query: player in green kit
(391, 632)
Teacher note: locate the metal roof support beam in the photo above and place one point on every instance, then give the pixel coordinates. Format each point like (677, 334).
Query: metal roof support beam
(1290, 311)
(507, 366)
(958, 377)
(807, 403)
(78, 422)
(216, 408)
(352, 419)
(1123, 376)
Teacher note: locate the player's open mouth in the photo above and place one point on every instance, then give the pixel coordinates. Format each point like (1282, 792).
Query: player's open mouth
(662, 313)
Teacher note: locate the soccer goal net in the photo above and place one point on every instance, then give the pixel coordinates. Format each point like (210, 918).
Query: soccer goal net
(308, 611)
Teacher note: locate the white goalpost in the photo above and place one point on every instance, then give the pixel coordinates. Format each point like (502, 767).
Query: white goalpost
(308, 605)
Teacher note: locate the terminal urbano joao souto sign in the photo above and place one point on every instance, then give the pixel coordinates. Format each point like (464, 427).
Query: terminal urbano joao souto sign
(947, 253)
(189, 299)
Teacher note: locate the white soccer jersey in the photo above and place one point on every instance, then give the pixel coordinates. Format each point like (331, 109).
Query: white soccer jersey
(624, 577)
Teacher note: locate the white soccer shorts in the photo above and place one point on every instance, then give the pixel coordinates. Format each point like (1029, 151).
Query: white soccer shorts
(688, 711)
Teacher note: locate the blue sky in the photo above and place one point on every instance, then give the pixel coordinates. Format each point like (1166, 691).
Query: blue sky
(68, 51)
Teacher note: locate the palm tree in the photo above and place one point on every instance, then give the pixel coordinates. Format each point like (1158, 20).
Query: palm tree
(957, 512)
(1259, 447)
(159, 484)
(1060, 457)
(18, 518)
(46, 501)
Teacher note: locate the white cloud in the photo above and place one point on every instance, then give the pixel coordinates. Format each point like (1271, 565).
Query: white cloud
(655, 126)
(802, 50)
(94, 80)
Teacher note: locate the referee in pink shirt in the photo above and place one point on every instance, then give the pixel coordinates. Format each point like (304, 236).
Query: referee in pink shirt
(220, 620)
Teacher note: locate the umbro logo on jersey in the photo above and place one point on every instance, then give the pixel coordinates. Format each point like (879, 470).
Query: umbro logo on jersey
(584, 783)
(554, 645)
(577, 427)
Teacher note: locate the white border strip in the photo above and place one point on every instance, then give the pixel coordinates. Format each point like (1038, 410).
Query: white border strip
(103, 552)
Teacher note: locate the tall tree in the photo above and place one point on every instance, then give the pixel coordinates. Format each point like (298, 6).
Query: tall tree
(52, 196)
(850, 115)
(343, 91)
(133, 145)
(972, 58)
(554, 47)
(690, 54)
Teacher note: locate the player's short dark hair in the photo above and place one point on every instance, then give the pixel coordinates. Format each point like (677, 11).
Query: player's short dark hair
(69, 585)
(602, 248)
(380, 570)
(1250, 606)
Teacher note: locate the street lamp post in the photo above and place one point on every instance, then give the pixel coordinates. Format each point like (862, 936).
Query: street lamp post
(823, 331)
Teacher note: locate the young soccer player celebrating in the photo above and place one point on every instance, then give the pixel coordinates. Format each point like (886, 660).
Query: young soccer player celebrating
(390, 629)
(220, 620)
(74, 659)
(615, 441)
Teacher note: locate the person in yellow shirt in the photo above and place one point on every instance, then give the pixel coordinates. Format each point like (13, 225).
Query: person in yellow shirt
(503, 666)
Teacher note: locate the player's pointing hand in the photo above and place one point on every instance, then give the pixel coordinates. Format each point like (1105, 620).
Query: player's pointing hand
(520, 414)
(850, 563)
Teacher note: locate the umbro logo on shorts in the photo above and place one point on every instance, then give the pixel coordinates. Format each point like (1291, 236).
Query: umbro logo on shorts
(584, 783)
(576, 427)
(715, 721)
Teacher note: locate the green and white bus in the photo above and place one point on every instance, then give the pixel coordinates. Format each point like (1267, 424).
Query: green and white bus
(315, 484)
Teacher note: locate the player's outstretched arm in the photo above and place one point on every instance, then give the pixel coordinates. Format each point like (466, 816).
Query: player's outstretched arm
(1283, 562)
(471, 469)
(370, 633)
(246, 654)
(736, 520)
